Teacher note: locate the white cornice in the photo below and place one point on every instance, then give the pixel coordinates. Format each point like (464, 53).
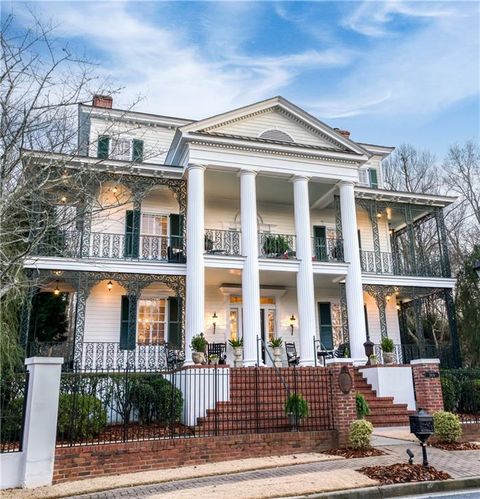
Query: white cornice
(412, 281)
(403, 197)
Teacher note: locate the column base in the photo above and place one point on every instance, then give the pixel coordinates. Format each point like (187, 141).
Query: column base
(307, 363)
(249, 363)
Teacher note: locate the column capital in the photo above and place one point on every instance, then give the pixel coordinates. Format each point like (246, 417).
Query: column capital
(344, 183)
(195, 166)
(247, 171)
(298, 178)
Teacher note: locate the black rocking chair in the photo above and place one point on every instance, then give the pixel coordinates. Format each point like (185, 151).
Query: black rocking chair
(292, 357)
(219, 349)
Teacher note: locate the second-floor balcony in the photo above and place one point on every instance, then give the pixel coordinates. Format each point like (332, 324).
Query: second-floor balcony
(388, 263)
(102, 245)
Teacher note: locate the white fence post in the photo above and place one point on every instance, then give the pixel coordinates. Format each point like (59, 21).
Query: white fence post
(40, 430)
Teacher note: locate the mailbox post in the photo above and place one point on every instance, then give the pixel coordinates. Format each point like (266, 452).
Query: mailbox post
(421, 425)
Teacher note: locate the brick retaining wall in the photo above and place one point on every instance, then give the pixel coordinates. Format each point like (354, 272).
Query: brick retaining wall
(73, 463)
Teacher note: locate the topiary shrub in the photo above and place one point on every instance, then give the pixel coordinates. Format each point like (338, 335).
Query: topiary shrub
(155, 400)
(362, 406)
(447, 426)
(360, 434)
(80, 416)
(296, 405)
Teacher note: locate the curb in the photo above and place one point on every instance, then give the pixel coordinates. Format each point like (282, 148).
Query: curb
(400, 489)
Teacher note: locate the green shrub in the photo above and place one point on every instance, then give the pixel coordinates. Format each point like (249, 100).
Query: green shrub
(451, 392)
(155, 400)
(470, 397)
(236, 343)
(199, 343)
(447, 426)
(362, 406)
(81, 416)
(360, 434)
(275, 244)
(12, 416)
(275, 343)
(296, 405)
(387, 345)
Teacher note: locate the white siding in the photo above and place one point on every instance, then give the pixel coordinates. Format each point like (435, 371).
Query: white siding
(156, 139)
(374, 319)
(253, 126)
(366, 233)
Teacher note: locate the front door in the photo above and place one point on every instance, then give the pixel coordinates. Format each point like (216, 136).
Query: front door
(267, 328)
(262, 330)
(325, 322)
(320, 242)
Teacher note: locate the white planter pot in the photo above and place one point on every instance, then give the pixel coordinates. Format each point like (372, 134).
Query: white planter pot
(388, 358)
(277, 356)
(238, 356)
(198, 357)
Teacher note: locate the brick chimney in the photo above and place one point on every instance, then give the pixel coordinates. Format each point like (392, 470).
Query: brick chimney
(102, 101)
(345, 133)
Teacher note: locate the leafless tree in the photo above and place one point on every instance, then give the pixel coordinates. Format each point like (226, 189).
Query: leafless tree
(42, 83)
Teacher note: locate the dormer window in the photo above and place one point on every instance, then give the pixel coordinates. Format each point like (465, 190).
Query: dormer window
(275, 134)
(103, 147)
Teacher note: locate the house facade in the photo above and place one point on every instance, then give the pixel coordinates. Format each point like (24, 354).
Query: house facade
(258, 223)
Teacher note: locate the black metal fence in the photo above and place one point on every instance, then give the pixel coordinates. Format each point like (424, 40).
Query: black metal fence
(461, 393)
(13, 397)
(405, 353)
(121, 405)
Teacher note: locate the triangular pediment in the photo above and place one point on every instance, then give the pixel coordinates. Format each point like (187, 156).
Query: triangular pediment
(277, 121)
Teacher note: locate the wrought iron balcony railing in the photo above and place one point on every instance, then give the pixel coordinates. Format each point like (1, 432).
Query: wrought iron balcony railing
(387, 263)
(403, 354)
(277, 245)
(222, 242)
(77, 244)
(327, 249)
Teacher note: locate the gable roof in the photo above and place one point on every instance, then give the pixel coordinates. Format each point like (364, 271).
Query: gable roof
(208, 126)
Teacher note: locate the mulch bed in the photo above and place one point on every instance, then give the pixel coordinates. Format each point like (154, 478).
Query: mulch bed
(403, 473)
(353, 453)
(456, 445)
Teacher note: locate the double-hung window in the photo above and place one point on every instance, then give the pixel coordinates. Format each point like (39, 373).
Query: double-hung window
(152, 320)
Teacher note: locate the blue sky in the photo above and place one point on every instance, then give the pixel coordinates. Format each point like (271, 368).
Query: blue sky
(390, 72)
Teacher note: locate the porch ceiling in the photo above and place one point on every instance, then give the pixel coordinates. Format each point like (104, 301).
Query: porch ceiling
(270, 189)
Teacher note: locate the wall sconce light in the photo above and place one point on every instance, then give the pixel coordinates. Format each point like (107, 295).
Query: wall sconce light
(379, 215)
(109, 285)
(214, 321)
(63, 199)
(114, 190)
(292, 322)
(388, 298)
(56, 291)
(398, 307)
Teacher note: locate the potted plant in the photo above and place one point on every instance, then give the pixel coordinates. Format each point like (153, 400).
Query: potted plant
(237, 346)
(275, 245)
(213, 359)
(296, 408)
(373, 360)
(198, 346)
(276, 345)
(387, 347)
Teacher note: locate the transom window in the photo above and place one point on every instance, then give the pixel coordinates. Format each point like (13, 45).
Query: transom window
(264, 300)
(151, 324)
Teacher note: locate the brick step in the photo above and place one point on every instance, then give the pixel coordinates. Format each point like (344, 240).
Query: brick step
(388, 420)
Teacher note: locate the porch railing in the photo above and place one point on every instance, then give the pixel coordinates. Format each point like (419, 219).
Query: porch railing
(327, 249)
(272, 245)
(387, 263)
(403, 354)
(222, 242)
(78, 244)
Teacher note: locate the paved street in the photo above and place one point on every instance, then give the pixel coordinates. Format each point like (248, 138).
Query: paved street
(244, 485)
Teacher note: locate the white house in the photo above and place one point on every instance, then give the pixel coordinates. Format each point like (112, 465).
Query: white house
(260, 222)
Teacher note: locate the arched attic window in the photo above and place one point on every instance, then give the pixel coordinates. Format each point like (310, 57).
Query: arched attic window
(275, 134)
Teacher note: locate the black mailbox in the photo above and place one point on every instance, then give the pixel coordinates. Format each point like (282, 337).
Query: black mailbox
(421, 425)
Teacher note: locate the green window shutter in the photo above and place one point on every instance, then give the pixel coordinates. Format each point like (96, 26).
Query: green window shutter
(128, 325)
(132, 233)
(325, 321)
(373, 178)
(320, 238)
(176, 230)
(137, 150)
(175, 322)
(103, 147)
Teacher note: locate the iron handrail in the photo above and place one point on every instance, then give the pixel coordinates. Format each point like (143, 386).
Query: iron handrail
(277, 370)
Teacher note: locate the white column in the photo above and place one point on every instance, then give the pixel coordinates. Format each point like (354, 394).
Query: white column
(305, 286)
(353, 282)
(195, 283)
(40, 431)
(250, 275)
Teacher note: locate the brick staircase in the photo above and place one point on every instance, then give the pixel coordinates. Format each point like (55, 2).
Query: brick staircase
(257, 402)
(383, 411)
